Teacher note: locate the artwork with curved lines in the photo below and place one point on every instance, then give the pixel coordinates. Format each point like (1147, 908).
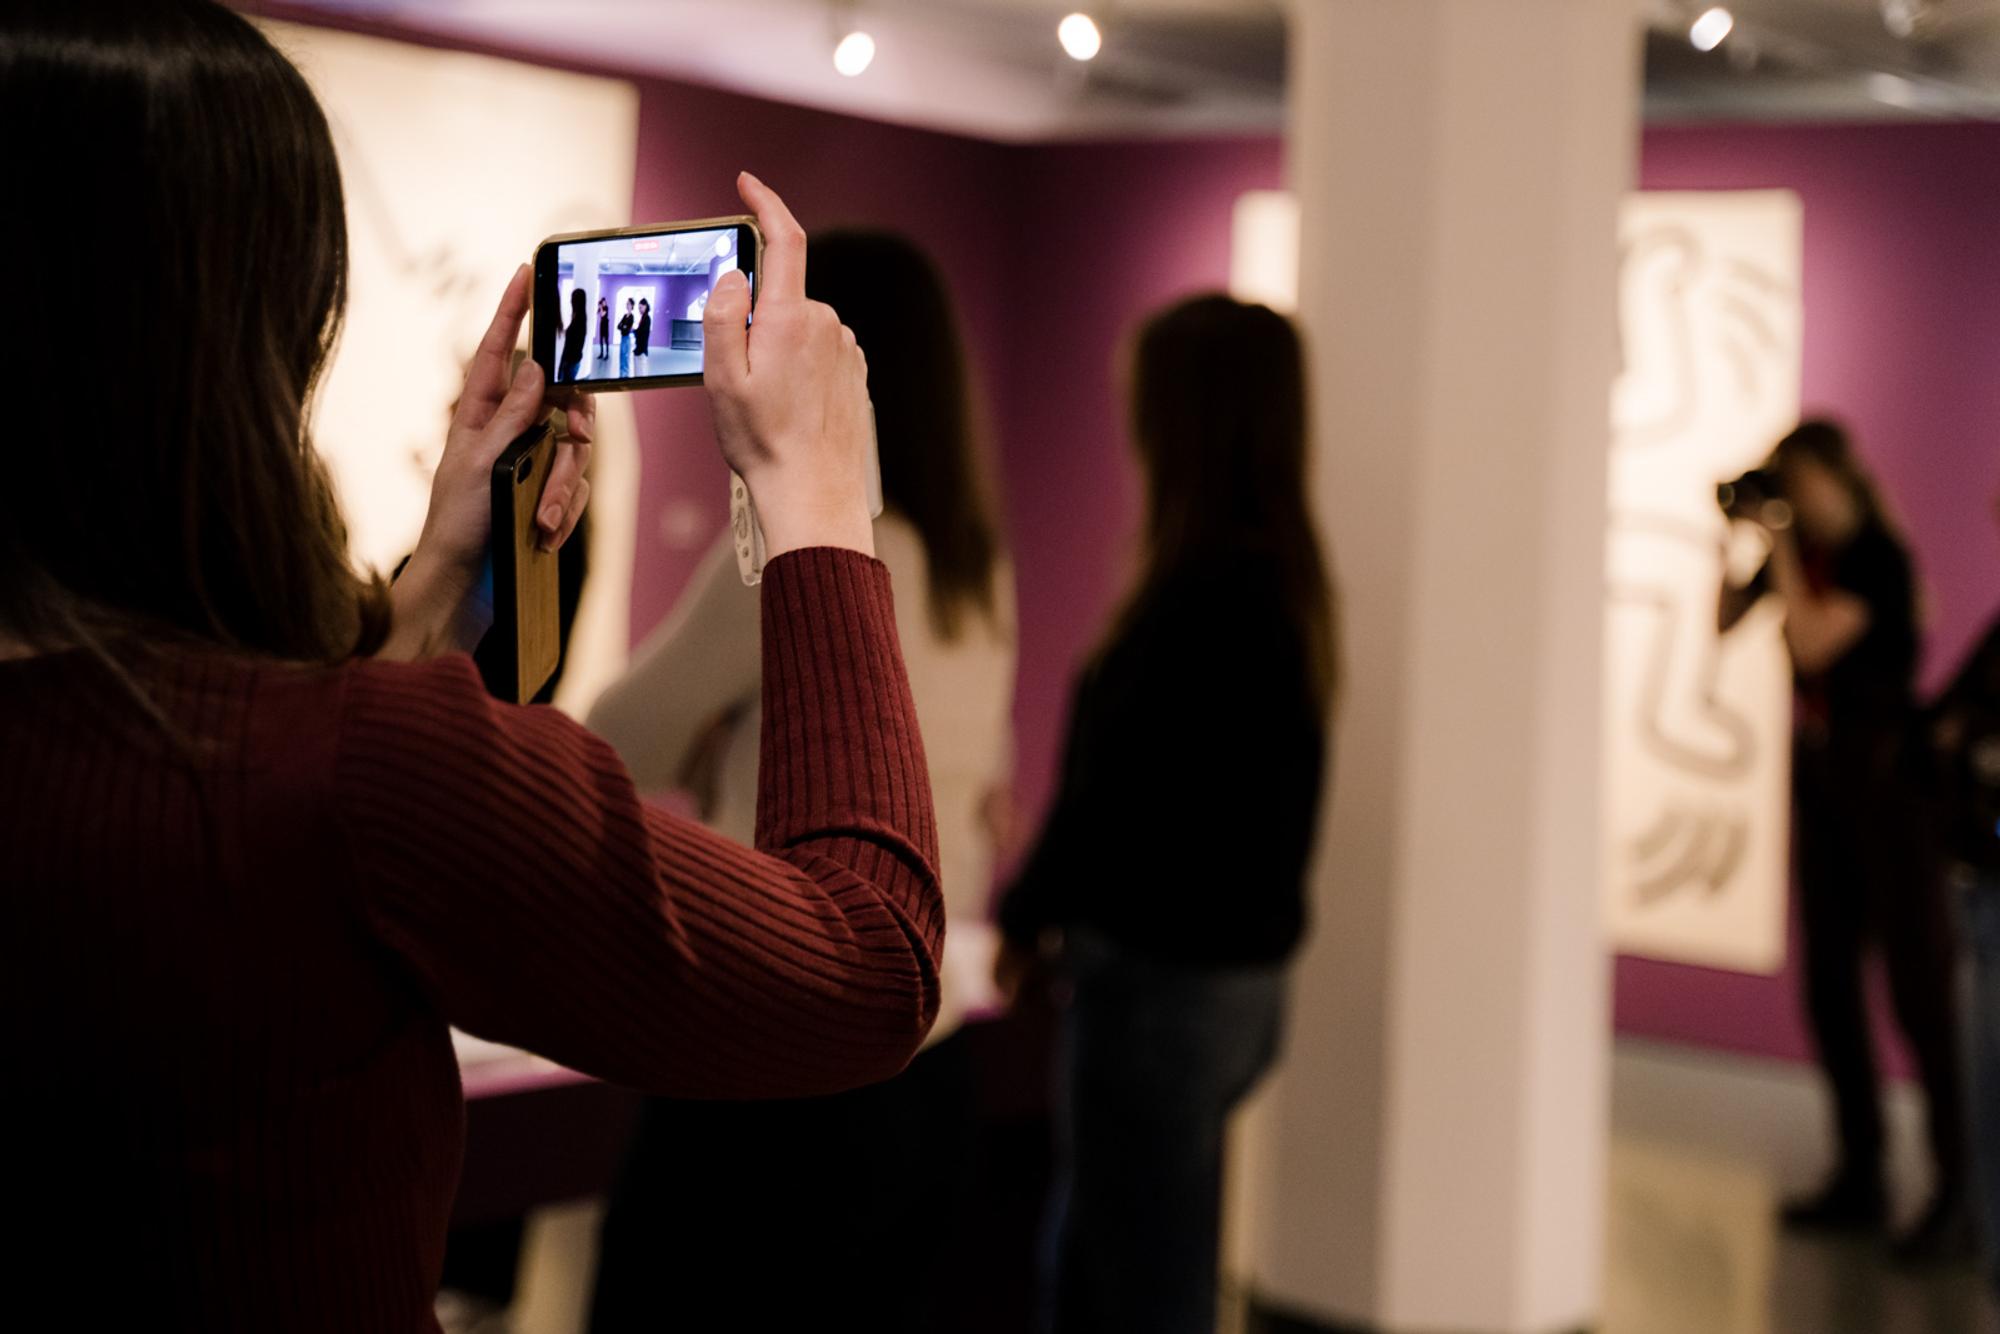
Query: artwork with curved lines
(1697, 725)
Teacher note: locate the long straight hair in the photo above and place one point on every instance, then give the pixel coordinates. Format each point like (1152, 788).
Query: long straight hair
(1219, 420)
(894, 298)
(1824, 441)
(166, 162)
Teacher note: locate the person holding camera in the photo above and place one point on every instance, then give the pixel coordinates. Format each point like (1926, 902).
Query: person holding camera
(1966, 728)
(1868, 870)
(266, 836)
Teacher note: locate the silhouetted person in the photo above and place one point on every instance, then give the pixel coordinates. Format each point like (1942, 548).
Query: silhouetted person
(575, 333)
(1869, 874)
(625, 341)
(643, 334)
(832, 1213)
(1173, 860)
(603, 329)
(1966, 725)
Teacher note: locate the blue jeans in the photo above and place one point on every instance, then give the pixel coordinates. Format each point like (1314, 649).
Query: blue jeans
(1152, 1059)
(1983, 929)
(624, 354)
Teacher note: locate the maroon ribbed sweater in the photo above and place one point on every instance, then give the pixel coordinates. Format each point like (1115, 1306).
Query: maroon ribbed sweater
(228, 978)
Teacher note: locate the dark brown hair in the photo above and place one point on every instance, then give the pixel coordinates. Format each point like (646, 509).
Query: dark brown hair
(893, 297)
(1826, 442)
(169, 170)
(1218, 417)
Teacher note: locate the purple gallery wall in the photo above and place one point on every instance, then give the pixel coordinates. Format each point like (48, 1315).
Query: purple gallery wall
(949, 193)
(1902, 340)
(1055, 251)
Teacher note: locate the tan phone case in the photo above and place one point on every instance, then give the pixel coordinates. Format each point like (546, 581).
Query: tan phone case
(527, 605)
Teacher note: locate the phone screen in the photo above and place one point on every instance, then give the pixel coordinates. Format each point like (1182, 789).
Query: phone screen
(619, 311)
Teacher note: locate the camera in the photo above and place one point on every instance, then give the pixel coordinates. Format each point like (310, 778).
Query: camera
(1748, 496)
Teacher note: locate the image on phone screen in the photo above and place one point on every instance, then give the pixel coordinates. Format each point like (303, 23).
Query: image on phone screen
(629, 308)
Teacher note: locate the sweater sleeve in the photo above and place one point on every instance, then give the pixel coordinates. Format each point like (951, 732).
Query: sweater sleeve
(504, 854)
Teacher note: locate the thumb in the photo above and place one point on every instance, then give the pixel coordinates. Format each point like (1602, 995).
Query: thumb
(725, 337)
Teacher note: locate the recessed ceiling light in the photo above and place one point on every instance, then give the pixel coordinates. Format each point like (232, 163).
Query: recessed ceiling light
(855, 52)
(1079, 37)
(1903, 17)
(1710, 29)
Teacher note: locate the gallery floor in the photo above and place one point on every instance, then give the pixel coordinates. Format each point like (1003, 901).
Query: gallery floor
(658, 361)
(1704, 1146)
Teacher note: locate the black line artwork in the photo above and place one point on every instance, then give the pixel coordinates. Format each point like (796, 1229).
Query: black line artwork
(1669, 270)
(1705, 339)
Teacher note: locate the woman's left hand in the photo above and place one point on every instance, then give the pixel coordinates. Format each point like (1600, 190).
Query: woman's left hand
(434, 606)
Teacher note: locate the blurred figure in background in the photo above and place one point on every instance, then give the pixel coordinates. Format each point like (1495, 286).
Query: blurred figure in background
(1967, 728)
(832, 1212)
(1173, 859)
(574, 334)
(1868, 868)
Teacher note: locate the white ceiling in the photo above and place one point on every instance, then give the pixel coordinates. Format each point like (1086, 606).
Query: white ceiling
(992, 68)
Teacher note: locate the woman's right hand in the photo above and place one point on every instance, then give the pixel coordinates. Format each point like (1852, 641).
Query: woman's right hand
(790, 395)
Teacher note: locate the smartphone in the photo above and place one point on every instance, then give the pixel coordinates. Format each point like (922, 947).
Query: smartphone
(524, 647)
(622, 309)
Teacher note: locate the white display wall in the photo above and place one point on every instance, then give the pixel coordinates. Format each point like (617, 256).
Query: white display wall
(1696, 766)
(455, 166)
(1698, 726)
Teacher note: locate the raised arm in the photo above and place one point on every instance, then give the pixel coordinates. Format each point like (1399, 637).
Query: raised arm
(1820, 626)
(505, 856)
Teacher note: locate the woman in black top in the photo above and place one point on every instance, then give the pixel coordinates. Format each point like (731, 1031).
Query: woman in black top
(1172, 864)
(1868, 869)
(643, 335)
(574, 334)
(603, 329)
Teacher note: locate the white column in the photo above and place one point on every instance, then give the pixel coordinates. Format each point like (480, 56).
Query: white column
(1432, 1156)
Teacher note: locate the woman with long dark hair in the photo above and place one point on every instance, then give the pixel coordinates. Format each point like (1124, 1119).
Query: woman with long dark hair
(764, 1229)
(1869, 873)
(603, 329)
(266, 838)
(1171, 866)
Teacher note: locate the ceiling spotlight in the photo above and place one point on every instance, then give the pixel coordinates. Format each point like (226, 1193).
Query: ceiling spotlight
(1079, 37)
(1904, 17)
(854, 53)
(1709, 30)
